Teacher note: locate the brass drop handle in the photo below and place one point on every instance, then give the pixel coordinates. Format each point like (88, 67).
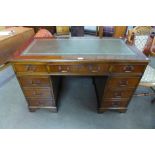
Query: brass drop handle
(63, 70)
(128, 68)
(115, 104)
(118, 94)
(123, 83)
(94, 69)
(30, 68)
(37, 93)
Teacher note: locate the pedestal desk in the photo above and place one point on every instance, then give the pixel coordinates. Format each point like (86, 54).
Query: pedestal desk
(115, 68)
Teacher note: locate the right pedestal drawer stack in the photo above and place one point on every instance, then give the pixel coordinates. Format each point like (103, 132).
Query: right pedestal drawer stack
(120, 86)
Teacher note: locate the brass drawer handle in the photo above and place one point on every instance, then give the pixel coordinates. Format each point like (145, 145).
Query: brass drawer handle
(128, 68)
(94, 69)
(123, 83)
(62, 70)
(118, 94)
(37, 93)
(115, 104)
(30, 68)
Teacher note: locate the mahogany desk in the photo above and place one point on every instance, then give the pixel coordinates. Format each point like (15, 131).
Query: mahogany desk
(116, 69)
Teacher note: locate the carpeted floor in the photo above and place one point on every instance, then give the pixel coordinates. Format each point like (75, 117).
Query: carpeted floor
(77, 109)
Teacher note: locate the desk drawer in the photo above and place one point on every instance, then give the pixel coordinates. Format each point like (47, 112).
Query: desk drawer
(123, 82)
(79, 68)
(114, 104)
(32, 81)
(118, 93)
(127, 68)
(41, 102)
(30, 68)
(38, 92)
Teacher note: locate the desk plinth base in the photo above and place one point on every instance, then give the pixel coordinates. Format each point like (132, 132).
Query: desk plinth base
(51, 109)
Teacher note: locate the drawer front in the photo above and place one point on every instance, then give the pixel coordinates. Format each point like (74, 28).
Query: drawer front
(28, 81)
(123, 82)
(114, 104)
(127, 68)
(41, 102)
(79, 68)
(118, 93)
(30, 68)
(38, 92)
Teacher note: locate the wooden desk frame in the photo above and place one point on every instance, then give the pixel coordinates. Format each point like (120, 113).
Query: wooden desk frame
(38, 78)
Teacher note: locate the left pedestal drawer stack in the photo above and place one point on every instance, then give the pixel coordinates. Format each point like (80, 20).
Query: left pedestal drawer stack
(39, 92)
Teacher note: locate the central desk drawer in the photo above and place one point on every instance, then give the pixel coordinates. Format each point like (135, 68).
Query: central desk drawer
(32, 81)
(79, 68)
(38, 92)
(30, 68)
(123, 82)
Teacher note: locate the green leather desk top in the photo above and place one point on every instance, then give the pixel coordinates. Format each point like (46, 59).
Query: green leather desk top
(78, 46)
